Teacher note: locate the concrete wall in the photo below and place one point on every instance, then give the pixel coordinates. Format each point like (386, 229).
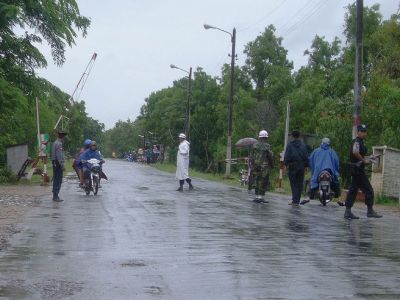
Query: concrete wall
(386, 176)
(391, 173)
(16, 156)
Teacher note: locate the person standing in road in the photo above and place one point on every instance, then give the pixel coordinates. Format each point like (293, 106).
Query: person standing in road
(359, 179)
(182, 163)
(58, 162)
(261, 163)
(296, 159)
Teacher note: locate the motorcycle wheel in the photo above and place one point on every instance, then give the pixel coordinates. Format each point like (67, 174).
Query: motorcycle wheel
(95, 185)
(324, 196)
(88, 187)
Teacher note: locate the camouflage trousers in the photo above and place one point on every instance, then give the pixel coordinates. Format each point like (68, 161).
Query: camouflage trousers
(261, 182)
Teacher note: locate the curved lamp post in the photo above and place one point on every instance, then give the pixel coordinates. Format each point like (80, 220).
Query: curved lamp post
(230, 99)
(189, 96)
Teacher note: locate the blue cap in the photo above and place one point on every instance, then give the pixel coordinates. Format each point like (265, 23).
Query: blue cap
(362, 128)
(87, 142)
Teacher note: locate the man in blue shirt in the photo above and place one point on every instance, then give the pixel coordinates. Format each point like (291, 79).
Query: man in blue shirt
(324, 158)
(58, 162)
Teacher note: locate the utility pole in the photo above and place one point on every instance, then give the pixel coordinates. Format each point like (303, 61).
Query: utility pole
(230, 99)
(282, 155)
(358, 67)
(189, 98)
(230, 107)
(38, 125)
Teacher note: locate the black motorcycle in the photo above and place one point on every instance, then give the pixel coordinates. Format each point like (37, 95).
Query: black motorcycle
(92, 177)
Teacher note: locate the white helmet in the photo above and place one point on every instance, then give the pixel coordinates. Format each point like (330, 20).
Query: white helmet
(182, 136)
(263, 134)
(326, 140)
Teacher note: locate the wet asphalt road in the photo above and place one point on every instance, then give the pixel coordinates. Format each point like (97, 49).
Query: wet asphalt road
(139, 239)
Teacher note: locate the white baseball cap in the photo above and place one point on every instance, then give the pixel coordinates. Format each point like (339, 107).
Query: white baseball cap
(263, 134)
(182, 136)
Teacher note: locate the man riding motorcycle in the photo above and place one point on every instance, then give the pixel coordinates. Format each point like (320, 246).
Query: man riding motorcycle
(321, 159)
(92, 152)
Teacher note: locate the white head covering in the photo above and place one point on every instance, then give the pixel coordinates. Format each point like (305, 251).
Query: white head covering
(326, 140)
(182, 136)
(263, 134)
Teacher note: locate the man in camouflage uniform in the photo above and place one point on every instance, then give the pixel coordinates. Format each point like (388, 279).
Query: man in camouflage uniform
(261, 162)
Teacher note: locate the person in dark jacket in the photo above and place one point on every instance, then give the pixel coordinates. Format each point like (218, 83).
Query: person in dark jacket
(296, 159)
(359, 179)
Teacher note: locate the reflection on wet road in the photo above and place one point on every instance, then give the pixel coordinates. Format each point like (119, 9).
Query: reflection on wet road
(140, 239)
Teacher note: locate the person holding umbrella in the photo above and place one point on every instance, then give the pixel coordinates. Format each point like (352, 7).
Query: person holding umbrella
(261, 163)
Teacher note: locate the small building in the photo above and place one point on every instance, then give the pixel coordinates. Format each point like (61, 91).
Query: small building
(16, 157)
(385, 177)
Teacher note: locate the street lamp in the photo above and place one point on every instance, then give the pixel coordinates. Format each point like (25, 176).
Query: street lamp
(230, 99)
(152, 137)
(189, 96)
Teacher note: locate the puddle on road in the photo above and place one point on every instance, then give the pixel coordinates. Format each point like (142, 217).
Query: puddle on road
(154, 290)
(133, 263)
(142, 188)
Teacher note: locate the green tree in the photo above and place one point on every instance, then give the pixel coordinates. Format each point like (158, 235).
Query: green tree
(268, 66)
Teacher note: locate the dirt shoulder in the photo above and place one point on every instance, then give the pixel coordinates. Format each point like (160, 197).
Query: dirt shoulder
(15, 202)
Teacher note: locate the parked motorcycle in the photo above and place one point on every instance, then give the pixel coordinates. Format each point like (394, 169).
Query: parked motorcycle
(92, 177)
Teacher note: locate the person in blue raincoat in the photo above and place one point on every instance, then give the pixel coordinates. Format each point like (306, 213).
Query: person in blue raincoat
(324, 158)
(90, 153)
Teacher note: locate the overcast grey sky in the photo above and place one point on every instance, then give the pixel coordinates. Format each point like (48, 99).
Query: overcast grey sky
(137, 40)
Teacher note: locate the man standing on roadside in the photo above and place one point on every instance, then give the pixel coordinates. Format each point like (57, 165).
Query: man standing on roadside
(182, 163)
(359, 179)
(296, 159)
(58, 162)
(261, 163)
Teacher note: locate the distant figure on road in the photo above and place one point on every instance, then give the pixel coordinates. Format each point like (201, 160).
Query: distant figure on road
(182, 163)
(261, 163)
(58, 162)
(148, 153)
(324, 158)
(296, 159)
(359, 179)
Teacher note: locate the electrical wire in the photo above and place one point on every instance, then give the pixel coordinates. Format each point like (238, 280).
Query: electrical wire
(305, 18)
(264, 17)
(283, 27)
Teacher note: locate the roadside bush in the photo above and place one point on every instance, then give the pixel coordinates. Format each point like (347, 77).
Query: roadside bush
(6, 176)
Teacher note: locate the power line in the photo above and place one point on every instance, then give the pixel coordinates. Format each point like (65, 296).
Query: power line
(264, 17)
(296, 14)
(298, 24)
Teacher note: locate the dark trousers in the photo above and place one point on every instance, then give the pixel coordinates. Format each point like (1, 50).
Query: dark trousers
(57, 177)
(296, 178)
(360, 182)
